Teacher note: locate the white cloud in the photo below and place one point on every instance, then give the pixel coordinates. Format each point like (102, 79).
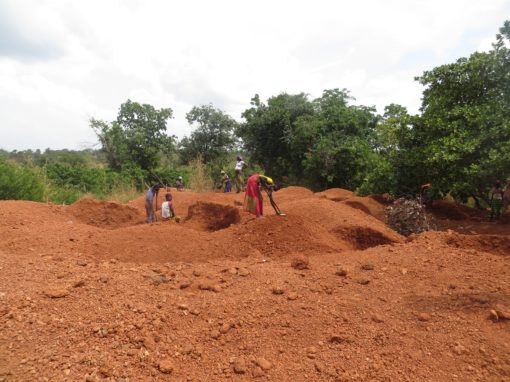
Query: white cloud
(62, 62)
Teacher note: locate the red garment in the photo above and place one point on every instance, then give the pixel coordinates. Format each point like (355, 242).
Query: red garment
(253, 199)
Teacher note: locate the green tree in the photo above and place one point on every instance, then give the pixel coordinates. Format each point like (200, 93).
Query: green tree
(138, 136)
(464, 131)
(213, 136)
(267, 129)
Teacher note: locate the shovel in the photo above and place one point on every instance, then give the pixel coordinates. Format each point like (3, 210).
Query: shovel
(273, 204)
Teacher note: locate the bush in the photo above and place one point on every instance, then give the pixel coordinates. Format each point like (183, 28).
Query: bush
(20, 182)
(407, 216)
(199, 180)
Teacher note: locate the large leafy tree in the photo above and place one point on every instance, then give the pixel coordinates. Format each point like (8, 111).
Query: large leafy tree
(138, 136)
(341, 152)
(266, 132)
(464, 131)
(213, 136)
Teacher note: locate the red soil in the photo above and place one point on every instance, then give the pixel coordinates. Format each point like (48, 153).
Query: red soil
(90, 294)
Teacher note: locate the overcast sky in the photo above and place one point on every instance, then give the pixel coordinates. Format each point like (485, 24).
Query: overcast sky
(64, 61)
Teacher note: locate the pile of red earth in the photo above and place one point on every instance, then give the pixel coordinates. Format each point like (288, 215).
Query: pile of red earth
(326, 293)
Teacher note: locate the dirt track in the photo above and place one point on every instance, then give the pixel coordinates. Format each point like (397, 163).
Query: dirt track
(327, 293)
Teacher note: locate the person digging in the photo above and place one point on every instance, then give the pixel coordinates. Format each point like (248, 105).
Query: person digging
(253, 201)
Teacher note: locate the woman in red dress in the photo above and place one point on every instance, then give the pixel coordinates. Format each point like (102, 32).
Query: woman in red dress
(253, 201)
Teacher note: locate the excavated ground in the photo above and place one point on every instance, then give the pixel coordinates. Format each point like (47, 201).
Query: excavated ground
(326, 293)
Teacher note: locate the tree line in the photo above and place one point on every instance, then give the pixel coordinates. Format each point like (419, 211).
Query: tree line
(459, 141)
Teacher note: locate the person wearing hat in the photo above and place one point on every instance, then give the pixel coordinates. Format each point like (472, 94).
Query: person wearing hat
(253, 201)
(239, 179)
(179, 184)
(225, 182)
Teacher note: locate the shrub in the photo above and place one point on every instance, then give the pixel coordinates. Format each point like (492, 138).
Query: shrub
(199, 180)
(20, 182)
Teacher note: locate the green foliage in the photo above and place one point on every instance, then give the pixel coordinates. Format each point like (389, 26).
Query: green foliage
(321, 143)
(265, 133)
(464, 131)
(137, 137)
(213, 136)
(20, 182)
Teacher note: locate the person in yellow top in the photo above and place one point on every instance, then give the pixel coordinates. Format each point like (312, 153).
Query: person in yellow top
(253, 201)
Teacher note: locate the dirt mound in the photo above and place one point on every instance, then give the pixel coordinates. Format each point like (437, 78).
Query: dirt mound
(445, 209)
(368, 205)
(211, 216)
(292, 193)
(349, 227)
(280, 235)
(335, 194)
(103, 214)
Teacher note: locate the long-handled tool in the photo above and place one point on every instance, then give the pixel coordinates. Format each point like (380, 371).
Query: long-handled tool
(273, 204)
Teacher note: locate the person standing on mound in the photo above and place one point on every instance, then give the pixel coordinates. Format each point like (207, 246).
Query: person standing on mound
(496, 199)
(239, 179)
(253, 201)
(151, 203)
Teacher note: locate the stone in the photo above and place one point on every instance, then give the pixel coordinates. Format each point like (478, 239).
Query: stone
(225, 328)
(156, 278)
(277, 290)
(292, 296)
(239, 366)
(368, 267)
(363, 281)
(104, 278)
(187, 349)
(263, 363)
(377, 318)
(205, 285)
(459, 349)
(243, 272)
(166, 366)
(503, 312)
(424, 317)
(215, 334)
(56, 292)
(78, 283)
(339, 339)
(81, 263)
(185, 284)
(341, 272)
(300, 263)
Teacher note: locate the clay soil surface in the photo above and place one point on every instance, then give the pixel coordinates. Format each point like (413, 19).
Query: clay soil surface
(328, 292)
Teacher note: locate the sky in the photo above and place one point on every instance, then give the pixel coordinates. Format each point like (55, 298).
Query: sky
(65, 61)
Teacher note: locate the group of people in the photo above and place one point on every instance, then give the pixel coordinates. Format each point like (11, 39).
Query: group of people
(499, 198)
(167, 207)
(253, 200)
(239, 184)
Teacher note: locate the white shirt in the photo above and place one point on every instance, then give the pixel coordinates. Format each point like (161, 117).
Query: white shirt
(165, 210)
(240, 165)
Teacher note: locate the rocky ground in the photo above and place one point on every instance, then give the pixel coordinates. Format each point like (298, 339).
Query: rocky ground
(328, 293)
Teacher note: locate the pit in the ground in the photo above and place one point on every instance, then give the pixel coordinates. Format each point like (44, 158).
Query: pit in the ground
(211, 216)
